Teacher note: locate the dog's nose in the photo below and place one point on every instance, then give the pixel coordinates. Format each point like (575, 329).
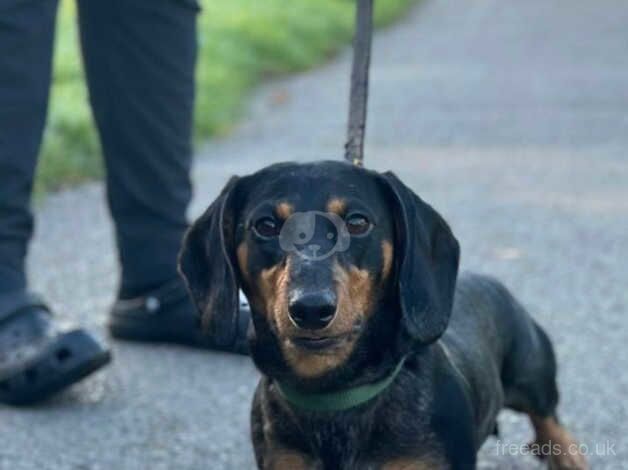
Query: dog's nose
(313, 311)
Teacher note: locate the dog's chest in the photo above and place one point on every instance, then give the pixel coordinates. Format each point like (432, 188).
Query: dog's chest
(335, 444)
(368, 438)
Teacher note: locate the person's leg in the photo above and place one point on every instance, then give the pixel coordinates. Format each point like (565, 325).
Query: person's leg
(26, 40)
(36, 360)
(140, 59)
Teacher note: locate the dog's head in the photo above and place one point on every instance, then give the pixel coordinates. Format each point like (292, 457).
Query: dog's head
(340, 264)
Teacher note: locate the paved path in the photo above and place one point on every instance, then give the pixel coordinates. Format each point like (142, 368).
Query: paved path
(510, 116)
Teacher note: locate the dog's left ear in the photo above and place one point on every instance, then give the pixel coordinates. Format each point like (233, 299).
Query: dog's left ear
(427, 263)
(206, 264)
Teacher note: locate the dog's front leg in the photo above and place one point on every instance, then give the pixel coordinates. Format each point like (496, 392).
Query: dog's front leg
(282, 459)
(270, 453)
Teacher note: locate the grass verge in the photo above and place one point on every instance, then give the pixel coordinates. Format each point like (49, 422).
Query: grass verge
(241, 42)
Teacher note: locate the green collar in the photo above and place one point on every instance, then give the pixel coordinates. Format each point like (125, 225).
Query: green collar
(340, 400)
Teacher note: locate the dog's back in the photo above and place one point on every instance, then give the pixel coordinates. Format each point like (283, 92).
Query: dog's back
(503, 356)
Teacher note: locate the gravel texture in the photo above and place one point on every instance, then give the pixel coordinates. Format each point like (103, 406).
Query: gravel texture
(508, 116)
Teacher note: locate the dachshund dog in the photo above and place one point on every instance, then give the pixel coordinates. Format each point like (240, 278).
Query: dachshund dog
(374, 354)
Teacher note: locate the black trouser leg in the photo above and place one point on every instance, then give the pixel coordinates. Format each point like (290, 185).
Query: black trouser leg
(140, 60)
(26, 39)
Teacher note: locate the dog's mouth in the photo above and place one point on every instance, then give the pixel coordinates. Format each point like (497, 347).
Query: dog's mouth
(317, 344)
(322, 343)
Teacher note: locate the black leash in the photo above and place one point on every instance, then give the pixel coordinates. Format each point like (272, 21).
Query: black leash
(354, 148)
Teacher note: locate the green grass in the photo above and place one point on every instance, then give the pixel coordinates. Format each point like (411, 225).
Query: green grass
(241, 42)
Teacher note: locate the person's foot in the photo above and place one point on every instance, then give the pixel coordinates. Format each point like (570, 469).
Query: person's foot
(168, 315)
(36, 359)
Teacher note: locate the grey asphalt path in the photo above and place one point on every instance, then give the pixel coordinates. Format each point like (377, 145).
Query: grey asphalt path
(509, 116)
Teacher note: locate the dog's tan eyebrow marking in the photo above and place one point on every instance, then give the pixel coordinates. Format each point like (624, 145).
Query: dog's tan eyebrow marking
(387, 258)
(284, 210)
(336, 205)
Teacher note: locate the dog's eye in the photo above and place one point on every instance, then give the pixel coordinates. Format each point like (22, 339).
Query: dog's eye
(358, 224)
(266, 227)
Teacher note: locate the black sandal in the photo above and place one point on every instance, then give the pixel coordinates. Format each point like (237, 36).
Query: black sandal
(168, 315)
(36, 360)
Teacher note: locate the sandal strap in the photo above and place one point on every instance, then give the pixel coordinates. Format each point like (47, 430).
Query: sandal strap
(13, 303)
(151, 302)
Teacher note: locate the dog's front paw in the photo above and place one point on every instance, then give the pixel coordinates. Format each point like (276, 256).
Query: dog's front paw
(566, 453)
(556, 443)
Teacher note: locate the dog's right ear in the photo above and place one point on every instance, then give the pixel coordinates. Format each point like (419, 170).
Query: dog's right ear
(206, 264)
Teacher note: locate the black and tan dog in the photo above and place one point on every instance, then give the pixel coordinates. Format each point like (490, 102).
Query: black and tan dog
(374, 354)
